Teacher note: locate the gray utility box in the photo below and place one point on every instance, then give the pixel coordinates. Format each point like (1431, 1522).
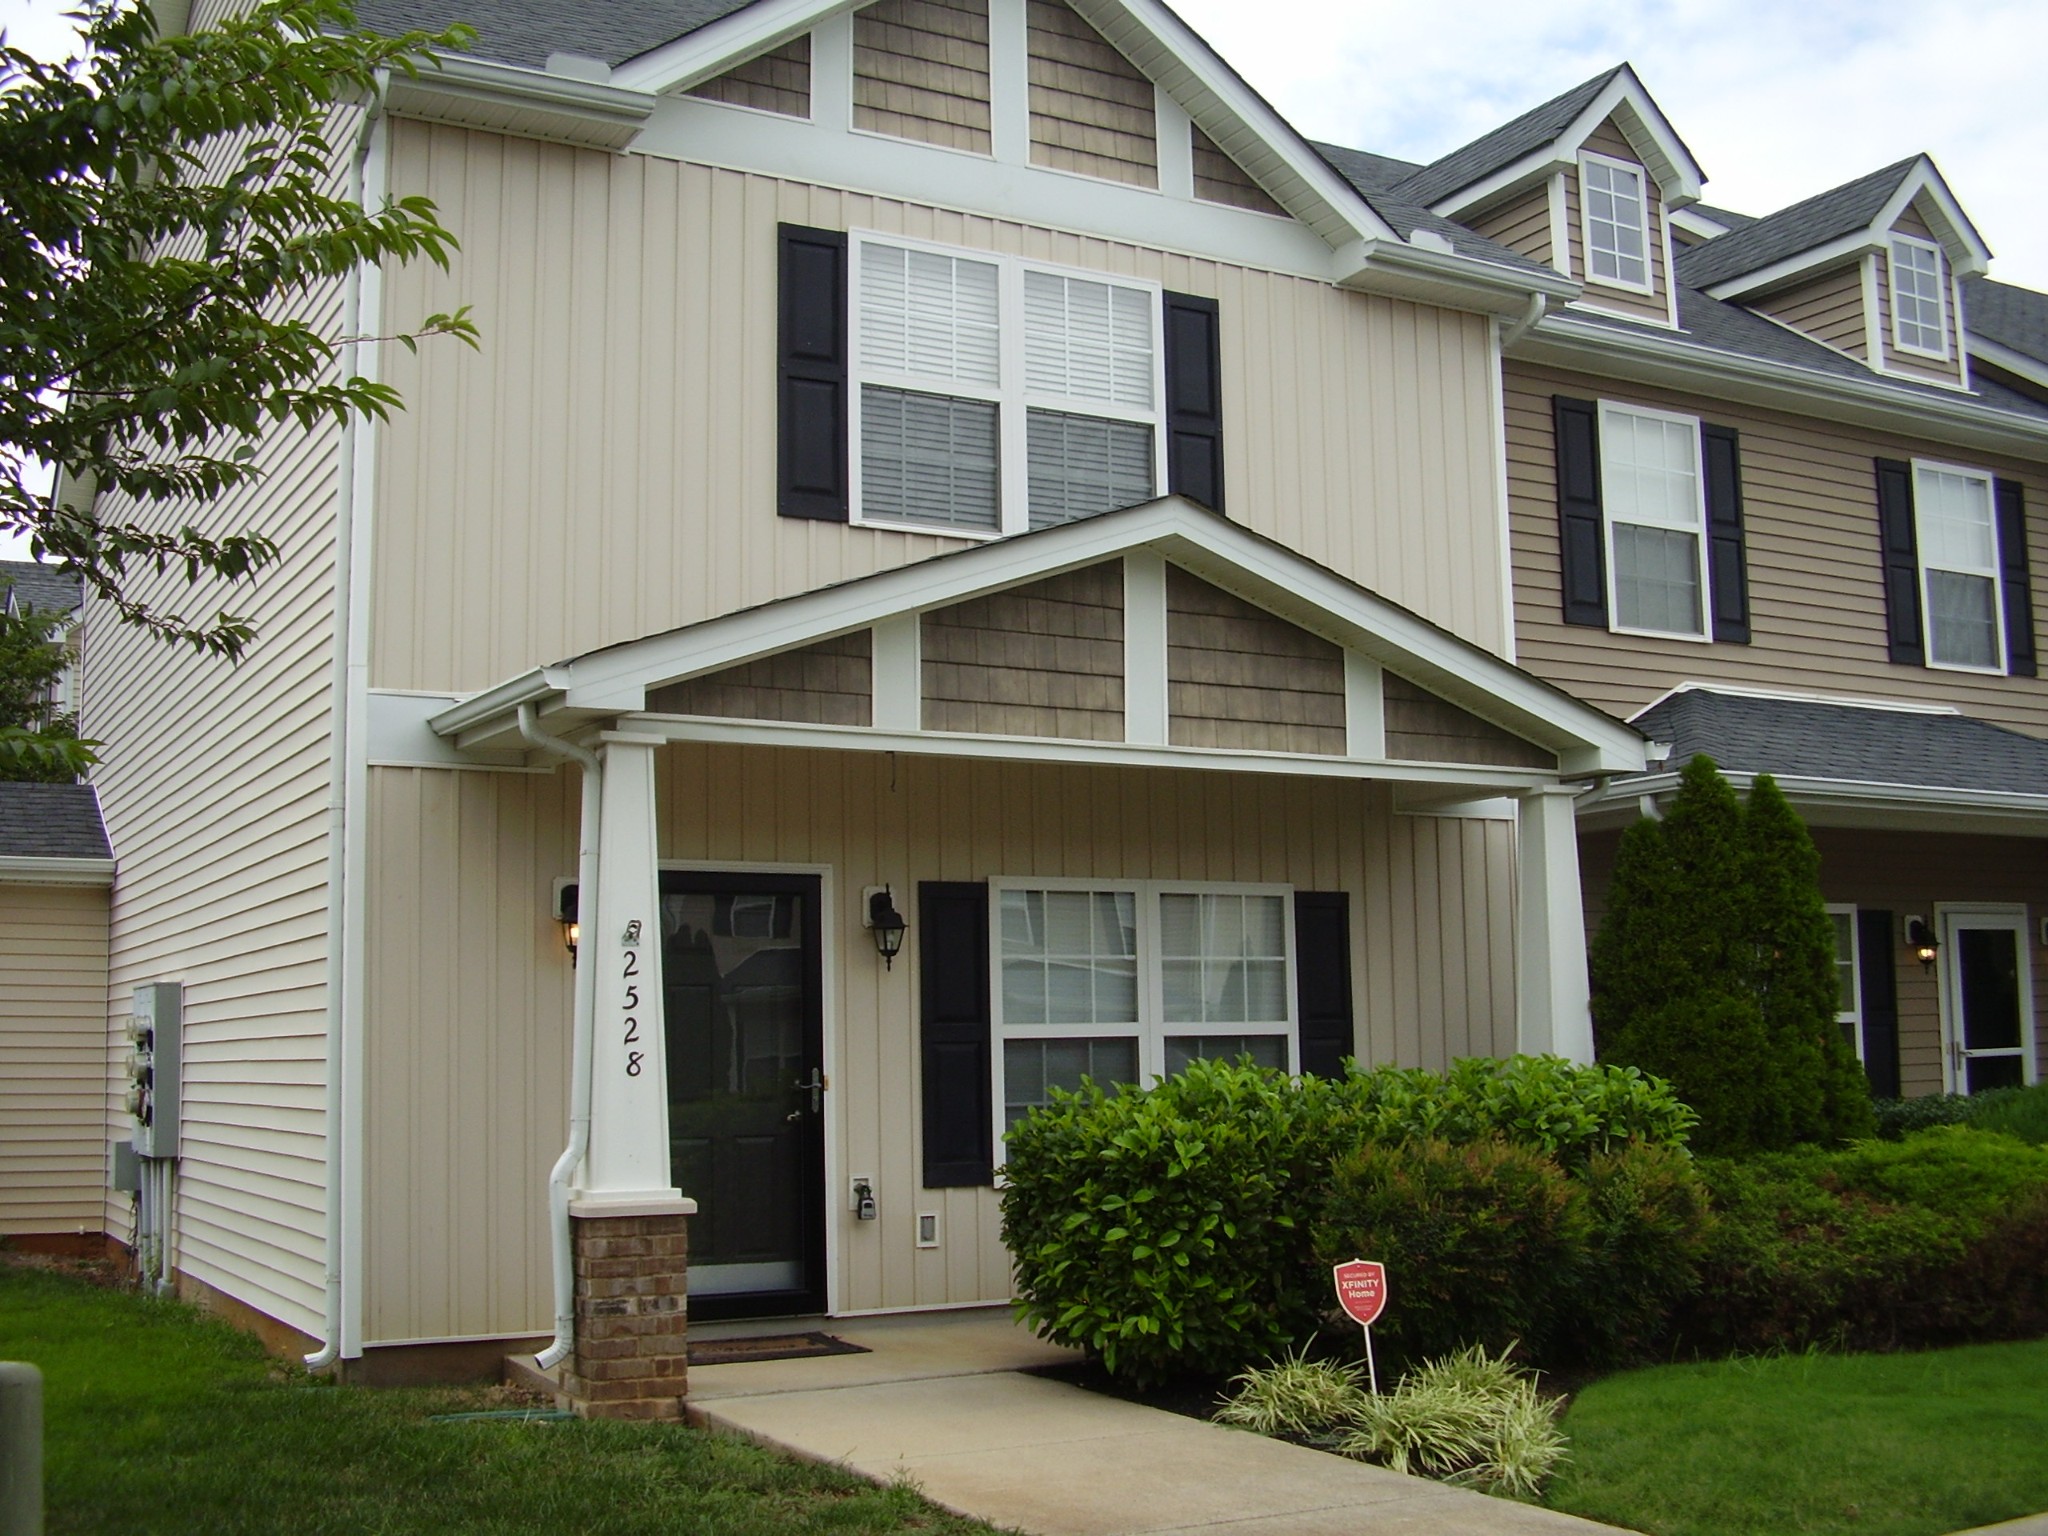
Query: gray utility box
(155, 1067)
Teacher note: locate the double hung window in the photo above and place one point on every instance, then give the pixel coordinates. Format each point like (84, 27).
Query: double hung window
(1957, 538)
(1916, 298)
(997, 394)
(1652, 491)
(1131, 981)
(1616, 222)
(1848, 979)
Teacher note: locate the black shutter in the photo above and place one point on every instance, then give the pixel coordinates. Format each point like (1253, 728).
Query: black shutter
(1580, 540)
(811, 466)
(1901, 562)
(952, 946)
(2012, 565)
(1727, 563)
(1876, 973)
(1322, 980)
(1194, 399)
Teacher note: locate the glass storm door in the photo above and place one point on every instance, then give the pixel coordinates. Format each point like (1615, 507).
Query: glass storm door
(746, 1087)
(1989, 1000)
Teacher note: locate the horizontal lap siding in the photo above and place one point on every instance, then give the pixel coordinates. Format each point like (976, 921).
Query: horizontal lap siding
(469, 988)
(1829, 309)
(1817, 614)
(54, 1050)
(775, 82)
(920, 71)
(1045, 659)
(586, 479)
(1091, 109)
(1522, 223)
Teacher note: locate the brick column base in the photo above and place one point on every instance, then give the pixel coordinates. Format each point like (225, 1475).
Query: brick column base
(631, 1330)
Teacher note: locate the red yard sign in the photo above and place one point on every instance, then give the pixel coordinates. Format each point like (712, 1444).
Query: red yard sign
(1362, 1290)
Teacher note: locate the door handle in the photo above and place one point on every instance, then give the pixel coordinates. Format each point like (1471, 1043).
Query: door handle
(817, 1083)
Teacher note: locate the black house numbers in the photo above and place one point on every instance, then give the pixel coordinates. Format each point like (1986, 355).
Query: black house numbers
(631, 1003)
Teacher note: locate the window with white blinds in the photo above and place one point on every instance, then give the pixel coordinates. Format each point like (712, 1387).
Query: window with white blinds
(1957, 534)
(998, 395)
(1653, 492)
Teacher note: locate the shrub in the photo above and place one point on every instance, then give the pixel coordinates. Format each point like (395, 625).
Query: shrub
(1646, 1228)
(1473, 1237)
(2018, 1112)
(1295, 1396)
(1901, 1117)
(1156, 1228)
(1712, 1048)
(1470, 1419)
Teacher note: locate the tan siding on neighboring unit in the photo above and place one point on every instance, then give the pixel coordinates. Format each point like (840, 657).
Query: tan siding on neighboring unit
(1608, 140)
(1522, 223)
(54, 1050)
(469, 994)
(1829, 308)
(1091, 110)
(1220, 179)
(585, 479)
(775, 82)
(1817, 606)
(1948, 372)
(830, 683)
(1040, 660)
(1423, 728)
(920, 71)
(1237, 676)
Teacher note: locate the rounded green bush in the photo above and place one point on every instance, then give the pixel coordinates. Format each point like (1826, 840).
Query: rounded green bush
(1646, 1227)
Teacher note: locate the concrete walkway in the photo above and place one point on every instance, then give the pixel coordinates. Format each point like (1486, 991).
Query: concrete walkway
(939, 1401)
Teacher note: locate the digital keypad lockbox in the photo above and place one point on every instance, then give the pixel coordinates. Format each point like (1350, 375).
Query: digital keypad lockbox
(155, 1059)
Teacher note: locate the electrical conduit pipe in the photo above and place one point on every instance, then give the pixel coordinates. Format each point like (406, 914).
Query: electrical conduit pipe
(582, 1044)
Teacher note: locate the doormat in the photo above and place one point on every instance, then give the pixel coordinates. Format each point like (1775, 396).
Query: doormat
(774, 1346)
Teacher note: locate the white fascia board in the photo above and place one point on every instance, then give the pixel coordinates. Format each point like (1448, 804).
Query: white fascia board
(1654, 356)
(711, 50)
(1856, 243)
(1695, 222)
(1678, 176)
(1396, 268)
(527, 102)
(2032, 369)
(540, 686)
(31, 869)
(1852, 803)
(1967, 253)
(1533, 167)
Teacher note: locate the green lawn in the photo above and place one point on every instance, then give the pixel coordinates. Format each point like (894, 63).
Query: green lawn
(1875, 1445)
(158, 1420)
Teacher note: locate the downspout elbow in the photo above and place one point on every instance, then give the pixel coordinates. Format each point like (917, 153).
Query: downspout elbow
(1539, 306)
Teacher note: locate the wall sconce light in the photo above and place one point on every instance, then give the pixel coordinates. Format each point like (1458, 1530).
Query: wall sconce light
(885, 923)
(565, 914)
(1924, 944)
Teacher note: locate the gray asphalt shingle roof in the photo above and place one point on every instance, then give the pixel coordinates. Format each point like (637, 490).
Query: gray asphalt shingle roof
(525, 32)
(52, 821)
(1823, 217)
(1504, 145)
(1792, 738)
(2016, 318)
(1371, 174)
(35, 585)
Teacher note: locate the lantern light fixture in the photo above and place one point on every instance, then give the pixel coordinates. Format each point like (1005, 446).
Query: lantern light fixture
(885, 923)
(565, 914)
(1924, 944)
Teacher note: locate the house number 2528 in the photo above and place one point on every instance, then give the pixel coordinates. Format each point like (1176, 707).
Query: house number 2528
(634, 1059)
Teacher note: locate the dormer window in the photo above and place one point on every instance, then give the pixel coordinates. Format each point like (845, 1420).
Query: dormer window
(1916, 298)
(1616, 214)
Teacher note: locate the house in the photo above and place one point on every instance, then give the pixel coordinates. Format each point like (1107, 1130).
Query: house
(950, 483)
(30, 585)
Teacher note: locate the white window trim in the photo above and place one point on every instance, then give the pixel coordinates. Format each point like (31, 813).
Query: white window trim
(1649, 283)
(1854, 1016)
(1899, 344)
(1151, 1028)
(1609, 408)
(1012, 399)
(1995, 573)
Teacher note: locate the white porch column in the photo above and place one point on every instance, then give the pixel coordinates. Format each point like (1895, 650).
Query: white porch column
(1553, 1010)
(627, 1164)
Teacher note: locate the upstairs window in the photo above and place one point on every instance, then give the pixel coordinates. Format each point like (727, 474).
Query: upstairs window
(1652, 480)
(1916, 298)
(1615, 215)
(1959, 567)
(996, 395)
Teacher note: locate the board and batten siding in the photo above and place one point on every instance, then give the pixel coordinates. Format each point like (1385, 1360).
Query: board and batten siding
(469, 992)
(604, 468)
(54, 1052)
(1609, 140)
(1829, 308)
(1522, 223)
(1816, 587)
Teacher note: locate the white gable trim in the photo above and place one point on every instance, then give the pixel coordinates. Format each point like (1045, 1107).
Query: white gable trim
(709, 51)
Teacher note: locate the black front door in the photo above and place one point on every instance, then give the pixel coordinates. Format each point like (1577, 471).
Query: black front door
(741, 966)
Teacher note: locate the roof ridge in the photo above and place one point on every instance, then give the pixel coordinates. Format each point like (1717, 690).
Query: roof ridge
(1712, 261)
(1506, 143)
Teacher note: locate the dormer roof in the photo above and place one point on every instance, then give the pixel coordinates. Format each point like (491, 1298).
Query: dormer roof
(1548, 137)
(527, 32)
(1842, 221)
(2013, 318)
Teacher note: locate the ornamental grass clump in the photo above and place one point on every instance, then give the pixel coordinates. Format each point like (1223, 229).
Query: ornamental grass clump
(1296, 1397)
(1471, 1418)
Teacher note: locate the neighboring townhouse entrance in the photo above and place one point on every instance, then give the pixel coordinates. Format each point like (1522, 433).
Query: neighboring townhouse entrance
(1987, 998)
(741, 967)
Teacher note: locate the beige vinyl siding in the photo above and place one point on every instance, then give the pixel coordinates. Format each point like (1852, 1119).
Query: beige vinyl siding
(1237, 676)
(830, 683)
(1907, 873)
(1829, 308)
(214, 781)
(1091, 110)
(777, 82)
(1817, 606)
(469, 993)
(1220, 179)
(1608, 140)
(1950, 372)
(1045, 659)
(1422, 728)
(1522, 223)
(587, 479)
(920, 71)
(54, 1049)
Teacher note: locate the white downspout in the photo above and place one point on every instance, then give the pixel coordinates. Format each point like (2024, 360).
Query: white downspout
(1539, 306)
(582, 1044)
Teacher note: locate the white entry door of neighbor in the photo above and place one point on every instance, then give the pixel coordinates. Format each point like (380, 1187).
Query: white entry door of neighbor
(1987, 998)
